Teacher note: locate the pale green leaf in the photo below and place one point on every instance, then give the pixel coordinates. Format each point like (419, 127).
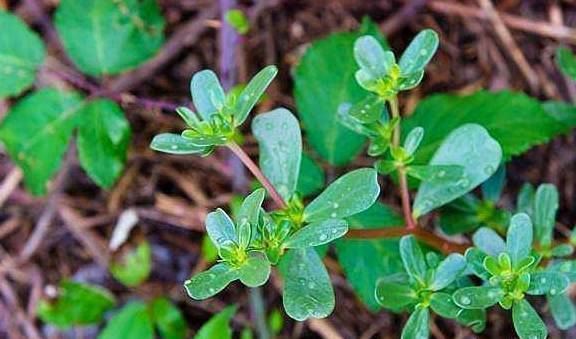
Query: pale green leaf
(317, 233)
(477, 297)
(255, 271)
(545, 208)
(372, 58)
(413, 258)
(417, 326)
(133, 267)
(21, 54)
(419, 53)
(469, 146)
(208, 283)
(218, 326)
(413, 140)
(168, 319)
(175, 144)
(253, 92)
(563, 310)
(519, 238)
(280, 141)
(443, 304)
(133, 321)
(307, 291)
(36, 132)
(352, 193)
(435, 173)
(551, 283)
(448, 270)
(250, 209)
(103, 138)
(220, 228)
(207, 93)
(488, 241)
(527, 322)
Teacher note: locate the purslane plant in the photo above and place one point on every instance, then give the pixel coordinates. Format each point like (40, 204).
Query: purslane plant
(285, 235)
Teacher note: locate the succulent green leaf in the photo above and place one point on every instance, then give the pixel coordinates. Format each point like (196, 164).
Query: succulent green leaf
(323, 80)
(189, 117)
(238, 20)
(469, 146)
(519, 238)
(562, 250)
(168, 319)
(413, 140)
(545, 207)
(133, 267)
(563, 310)
(516, 121)
(352, 193)
(372, 58)
(307, 289)
(39, 151)
(175, 144)
(475, 259)
(442, 304)
(77, 304)
(475, 319)
(207, 93)
(448, 270)
(218, 326)
(103, 138)
(220, 228)
(566, 61)
(419, 53)
(317, 233)
(492, 188)
(435, 173)
(368, 110)
(527, 322)
(278, 134)
(477, 297)
(394, 295)
(409, 81)
(253, 92)
(210, 282)
(551, 283)
(204, 140)
(21, 54)
(488, 241)
(250, 208)
(311, 177)
(107, 36)
(133, 321)
(417, 326)
(255, 271)
(413, 258)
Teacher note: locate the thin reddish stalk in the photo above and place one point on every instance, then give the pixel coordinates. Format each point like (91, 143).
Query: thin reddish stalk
(255, 170)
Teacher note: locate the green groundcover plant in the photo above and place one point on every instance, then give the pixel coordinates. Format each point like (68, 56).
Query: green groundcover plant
(452, 151)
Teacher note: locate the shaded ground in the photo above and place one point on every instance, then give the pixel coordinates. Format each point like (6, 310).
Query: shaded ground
(173, 194)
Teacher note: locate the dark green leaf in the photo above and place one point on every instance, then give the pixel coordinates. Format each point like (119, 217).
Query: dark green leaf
(311, 177)
(76, 304)
(442, 304)
(527, 322)
(21, 54)
(413, 258)
(35, 138)
(519, 238)
(417, 325)
(103, 138)
(220, 228)
(218, 326)
(307, 289)
(107, 36)
(545, 207)
(175, 144)
(469, 146)
(448, 271)
(133, 267)
(168, 319)
(552, 283)
(419, 53)
(255, 271)
(563, 112)
(133, 321)
(563, 310)
(253, 92)
(208, 283)
(317, 233)
(352, 193)
(566, 61)
(489, 242)
(278, 134)
(477, 297)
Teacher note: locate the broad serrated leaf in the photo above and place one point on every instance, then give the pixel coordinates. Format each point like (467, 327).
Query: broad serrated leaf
(489, 242)
(317, 233)
(566, 61)
(413, 258)
(519, 238)
(527, 322)
(311, 177)
(208, 283)
(36, 132)
(307, 291)
(107, 36)
(563, 310)
(469, 146)
(103, 138)
(134, 266)
(419, 53)
(220, 228)
(477, 297)
(352, 193)
(168, 319)
(21, 54)
(364, 261)
(252, 93)
(175, 144)
(447, 271)
(76, 304)
(442, 304)
(394, 295)
(551, 283)
(324, 79)
(207, 93)
(280, 141)
(545, 207)
(255, 271)
(516, 121)
(417, 326)
(218, 326)
(133, 321)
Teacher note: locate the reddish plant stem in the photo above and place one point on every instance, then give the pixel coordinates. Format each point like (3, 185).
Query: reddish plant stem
(421, 234)
(255, 170)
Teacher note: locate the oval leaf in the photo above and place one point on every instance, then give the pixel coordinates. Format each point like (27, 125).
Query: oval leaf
(253, 92)
(207, 93)
(545, 207)
(563, 310)
(210, 282)
(133, 321)
(419, 53)
(175, 144)
(448, 271)
(395, 296)
(443, 304)
(489, 242)
(547, 283)
(417, 325)
(519, 238)
(527, 322)
(413, 258)
(255, 271)
(372, 58)
(220, 228)
(317, 233)
(477, 297)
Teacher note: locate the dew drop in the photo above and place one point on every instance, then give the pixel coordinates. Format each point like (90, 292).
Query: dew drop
(323, 237)
(211, 290)
(489, 170)
(174, 147)
(553, 291)
(423, 51)
(335, 205)
(333, 215)
(441, 174)
(465, 300)
(302, 281)
(311, 285)
(543, 280)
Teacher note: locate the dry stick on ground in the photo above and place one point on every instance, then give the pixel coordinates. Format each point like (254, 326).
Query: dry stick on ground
(9, 184)
(509, 45)
(11, 299)
(402, 17)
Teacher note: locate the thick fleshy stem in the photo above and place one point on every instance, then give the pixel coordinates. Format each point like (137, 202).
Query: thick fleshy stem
(255, 170)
